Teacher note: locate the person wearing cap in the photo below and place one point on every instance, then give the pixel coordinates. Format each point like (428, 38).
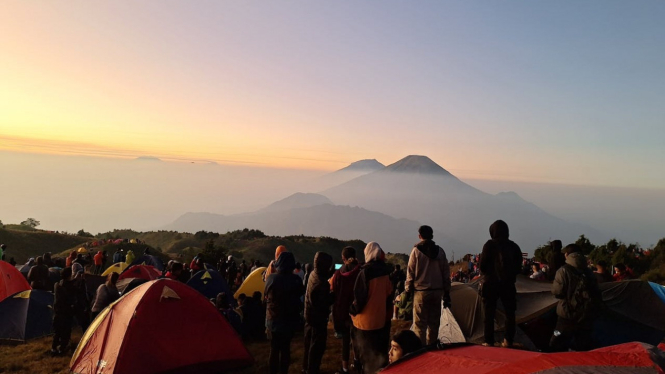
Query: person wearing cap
(371, 311)
(576, 287)
(428, 278)
(403, 343)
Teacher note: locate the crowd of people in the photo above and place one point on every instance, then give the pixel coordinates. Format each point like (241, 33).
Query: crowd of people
(359, 298)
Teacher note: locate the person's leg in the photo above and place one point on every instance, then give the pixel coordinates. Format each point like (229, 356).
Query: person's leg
(317, 348)
(66, 333)
(433, 316)
(509, 300)
(57, 329)
(489, 309)
(274, 353)
(563, 335)
(285, 356)
(346, 349)
(307, 340)
(420, 316)
(355, 343)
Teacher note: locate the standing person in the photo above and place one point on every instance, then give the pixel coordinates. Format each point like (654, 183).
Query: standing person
(70, 259)
(342, 284)
(63, 312)
(371, 311)
(576, 287)
(299, 272)
(48, 261)
(99, 258)
(282, 294)
(118, 257)
(309, 268)
(428, 277)
(231, 270)
(107, 293)
(82, 306)
(500, 262)
(130, 257)
(555, 260)
(2, 251)
(38, 275)
(271, 266)
(317, 308)
(602, 275)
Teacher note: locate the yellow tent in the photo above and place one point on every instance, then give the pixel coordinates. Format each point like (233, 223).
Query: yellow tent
(82, 250)
(118, 267)
(254, 282)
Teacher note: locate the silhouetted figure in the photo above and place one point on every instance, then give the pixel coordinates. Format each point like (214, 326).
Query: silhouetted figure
(500, 262)
(38, 275)
(342, 284)
(555, 260)
(63, 311)
(317, 308)
(106, 294)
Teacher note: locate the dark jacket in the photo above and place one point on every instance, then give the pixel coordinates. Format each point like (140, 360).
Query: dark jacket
(565, 284)
(501, 259)
(38, 277)
(65, 300)
(318, 297)
(343, 282)
(282, 294)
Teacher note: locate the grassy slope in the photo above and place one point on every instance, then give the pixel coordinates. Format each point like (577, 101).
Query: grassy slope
(23, 244)
(32, 358)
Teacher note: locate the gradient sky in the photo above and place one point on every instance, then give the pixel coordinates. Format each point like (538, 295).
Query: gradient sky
(559, 92)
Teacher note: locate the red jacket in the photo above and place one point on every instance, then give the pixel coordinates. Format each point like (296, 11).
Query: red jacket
(99, 258)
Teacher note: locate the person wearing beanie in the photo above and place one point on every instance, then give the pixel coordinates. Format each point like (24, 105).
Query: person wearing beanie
(403, 343)
(371, 311)
(428, 278)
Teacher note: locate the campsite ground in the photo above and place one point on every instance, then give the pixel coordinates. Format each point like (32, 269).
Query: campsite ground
(33, 357)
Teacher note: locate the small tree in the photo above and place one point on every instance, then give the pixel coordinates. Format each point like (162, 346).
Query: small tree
(31, 222)
(82, 232)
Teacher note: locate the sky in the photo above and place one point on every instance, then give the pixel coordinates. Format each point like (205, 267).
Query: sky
(563, 92)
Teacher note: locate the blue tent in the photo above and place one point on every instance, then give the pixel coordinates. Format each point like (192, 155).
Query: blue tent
(26, 315)
(148, 260)
(659, 290)
(210, 283)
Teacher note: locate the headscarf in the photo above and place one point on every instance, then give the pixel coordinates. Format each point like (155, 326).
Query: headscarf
(280, 249)
(373, 252)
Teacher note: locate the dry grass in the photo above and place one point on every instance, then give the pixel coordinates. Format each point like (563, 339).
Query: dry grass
(33, 357)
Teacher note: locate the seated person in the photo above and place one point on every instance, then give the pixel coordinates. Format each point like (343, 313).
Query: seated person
(403, 343)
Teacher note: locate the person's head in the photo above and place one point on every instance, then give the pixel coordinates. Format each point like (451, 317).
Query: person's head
(241, 298)
(176, 268)
(397, 267)
(535, 267)
(146, 251)
(230, 258)
(40, 260)
(112, 279)
(425, 232)
(279, 250)
(66, 274)
(221, 302)
(348, 253)
(47, 256)
(373, 252)
(257, 296)
(77, 268)
(298, 266)
(619, 268)
(257, 263)
(499, 230)
(556, 246)
(601, 266)
(3, 246)
(403, 343)
(79, 256)
(572, 248)
(285, 263)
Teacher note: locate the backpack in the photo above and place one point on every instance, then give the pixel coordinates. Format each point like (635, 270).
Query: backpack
(584, 300)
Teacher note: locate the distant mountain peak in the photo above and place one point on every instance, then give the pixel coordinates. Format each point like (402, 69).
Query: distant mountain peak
(297, 200)
(364, 165)
(417, 164)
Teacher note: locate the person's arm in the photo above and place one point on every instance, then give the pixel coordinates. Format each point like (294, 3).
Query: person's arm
(485, 259)
(360, 293)
(410, 271)
(445, 273)
(558, 286)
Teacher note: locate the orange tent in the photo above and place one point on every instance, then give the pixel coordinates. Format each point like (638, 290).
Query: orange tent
(162, 326)
(11, 280)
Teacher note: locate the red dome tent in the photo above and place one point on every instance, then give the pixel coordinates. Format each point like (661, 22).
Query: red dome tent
(11, 281)
(162, 326)
(475, 359)
(146, 272)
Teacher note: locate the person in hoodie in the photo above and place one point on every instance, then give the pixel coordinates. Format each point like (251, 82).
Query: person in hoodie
(576, 287)
(64, 306)
(317, 308)
(282, 296)
(271, 269)
(130, 257)
(500, 262)
(38, 276)
(371, 311)
(428, 278)
(342, 285)
(555, 260)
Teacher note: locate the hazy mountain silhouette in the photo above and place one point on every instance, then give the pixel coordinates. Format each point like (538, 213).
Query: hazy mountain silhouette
(341, 222)
(353, 170)
(297, 200)
(417, 188)
(363, 166)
